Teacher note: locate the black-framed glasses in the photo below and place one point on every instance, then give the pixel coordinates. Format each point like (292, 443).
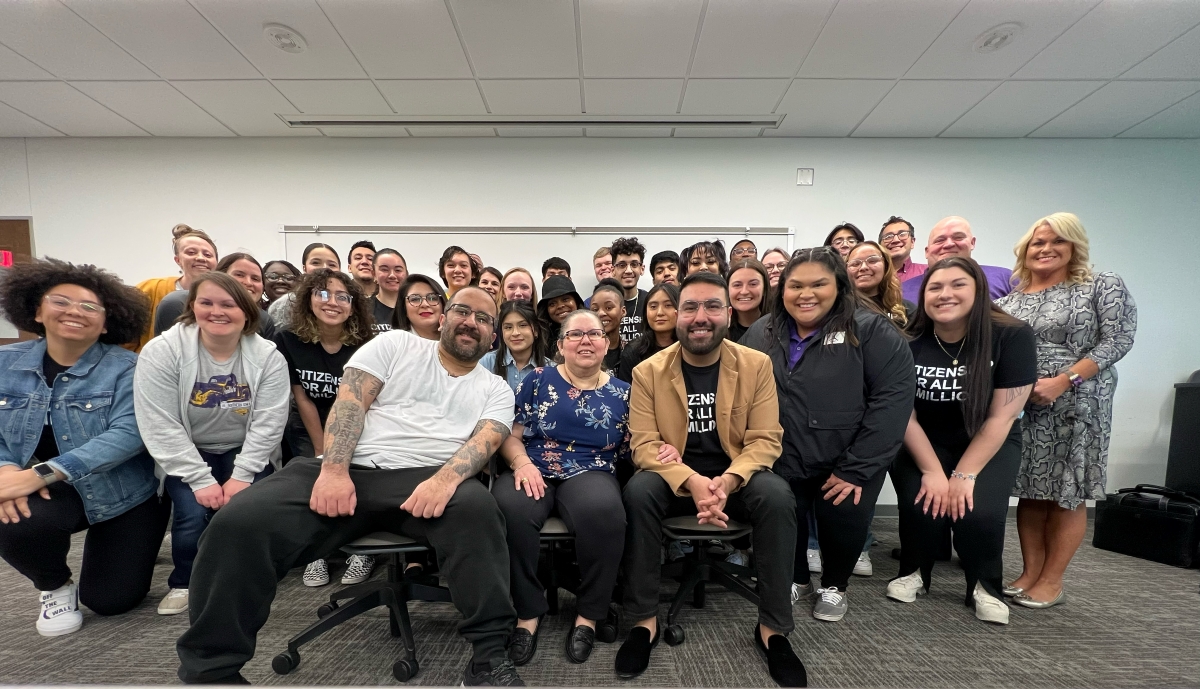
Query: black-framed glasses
(738, 252)
(901, 235)
(284, 277)
(578, 335)
(624, 265)
(845, 241)
(712, 307)
(418, 299)
(61, 303)
(340, 297)
(464, 312)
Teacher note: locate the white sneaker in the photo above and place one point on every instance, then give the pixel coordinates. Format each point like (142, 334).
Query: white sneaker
(831, 604)
(60, 611)
(906, 589)
(814, 561)
(359, 569)
(800, 591)
(316, 573)
(862, 567)
(740, 558)
(988, 607)
(175, 602)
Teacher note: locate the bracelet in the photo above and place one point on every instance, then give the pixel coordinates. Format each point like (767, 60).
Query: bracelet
(523, 465)
(959, 474)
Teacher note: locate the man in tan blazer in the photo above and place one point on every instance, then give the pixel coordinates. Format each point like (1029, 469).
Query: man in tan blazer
(704, 426)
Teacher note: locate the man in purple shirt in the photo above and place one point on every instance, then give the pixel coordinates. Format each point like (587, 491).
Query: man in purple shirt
(952, 237)
(898, 237)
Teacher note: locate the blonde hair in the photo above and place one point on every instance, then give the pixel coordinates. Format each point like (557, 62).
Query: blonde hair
(504, 281)
(181, 230)
(602, 251)
(1067, 226)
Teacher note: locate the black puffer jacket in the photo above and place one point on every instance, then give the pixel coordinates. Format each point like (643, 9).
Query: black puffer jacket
(843, 408)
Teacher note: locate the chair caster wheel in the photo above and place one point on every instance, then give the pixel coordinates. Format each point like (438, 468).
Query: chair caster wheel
(404, 669)
(325, 609)
(674, 635)
(285, 662)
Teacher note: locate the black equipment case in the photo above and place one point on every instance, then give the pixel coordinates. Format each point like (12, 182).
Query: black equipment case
(1150, 522)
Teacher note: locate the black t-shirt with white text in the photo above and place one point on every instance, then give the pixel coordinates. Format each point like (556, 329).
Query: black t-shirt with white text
(635, 316)
(703, 452)
(941, 385)
(316, 370)
(47, 447)
(383, 315)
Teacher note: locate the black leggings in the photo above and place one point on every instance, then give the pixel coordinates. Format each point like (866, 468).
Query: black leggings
(841, 529)
(978, 537)
(118, 553)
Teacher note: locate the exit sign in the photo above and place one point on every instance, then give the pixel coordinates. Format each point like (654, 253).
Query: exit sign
(6, 259)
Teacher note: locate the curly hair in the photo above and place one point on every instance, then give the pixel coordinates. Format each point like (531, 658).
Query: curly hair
(1067, 226)
(355, 330)
(627, 246)
(126, 309)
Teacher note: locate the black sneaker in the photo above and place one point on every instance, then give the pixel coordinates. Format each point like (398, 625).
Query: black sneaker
(785, 667)
(634, 655)
(497, 673)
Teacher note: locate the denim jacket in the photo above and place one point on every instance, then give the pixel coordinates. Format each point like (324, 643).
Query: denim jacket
(91, 411)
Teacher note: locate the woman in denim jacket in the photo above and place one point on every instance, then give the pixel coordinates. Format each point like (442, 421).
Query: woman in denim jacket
(71, 457)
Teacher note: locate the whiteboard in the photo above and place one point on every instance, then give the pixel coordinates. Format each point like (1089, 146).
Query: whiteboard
(527, 247)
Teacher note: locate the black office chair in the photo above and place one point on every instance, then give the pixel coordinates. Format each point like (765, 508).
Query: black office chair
(395, 592)
(701, 568)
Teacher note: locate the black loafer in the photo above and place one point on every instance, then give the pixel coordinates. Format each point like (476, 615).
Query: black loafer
(634, 655)
(522, 645)
(785, 667)
(580, 642)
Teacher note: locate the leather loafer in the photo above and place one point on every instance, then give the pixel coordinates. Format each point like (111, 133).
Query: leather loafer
(634, 655)
(522, 645)
(580, 642)
(1024, 600)
(1012, 591)
(783, 664)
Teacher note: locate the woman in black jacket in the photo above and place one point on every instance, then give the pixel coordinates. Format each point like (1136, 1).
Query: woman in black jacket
(846, 385)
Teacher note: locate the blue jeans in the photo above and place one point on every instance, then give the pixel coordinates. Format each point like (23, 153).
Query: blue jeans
(191, 518)
(812, 533)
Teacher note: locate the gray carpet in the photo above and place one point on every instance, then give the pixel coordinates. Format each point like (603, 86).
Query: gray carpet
(1127, 623)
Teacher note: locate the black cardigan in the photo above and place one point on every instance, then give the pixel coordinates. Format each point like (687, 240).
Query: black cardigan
(843, 408)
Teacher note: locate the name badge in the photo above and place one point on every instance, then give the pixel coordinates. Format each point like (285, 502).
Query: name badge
(835, 338)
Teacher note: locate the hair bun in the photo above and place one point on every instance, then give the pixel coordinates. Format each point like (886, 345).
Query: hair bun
(181, 229)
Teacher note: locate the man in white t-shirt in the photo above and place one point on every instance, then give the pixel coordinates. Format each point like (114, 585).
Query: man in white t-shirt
(414, 421)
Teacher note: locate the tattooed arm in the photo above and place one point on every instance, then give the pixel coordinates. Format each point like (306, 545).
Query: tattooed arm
(333, 493)
(430, 497)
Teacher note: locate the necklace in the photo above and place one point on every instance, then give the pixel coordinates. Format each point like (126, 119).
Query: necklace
(566, 374)
(943, 347)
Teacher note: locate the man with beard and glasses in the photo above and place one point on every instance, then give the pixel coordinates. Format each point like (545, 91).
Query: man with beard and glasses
(704, 421)
(413, 422)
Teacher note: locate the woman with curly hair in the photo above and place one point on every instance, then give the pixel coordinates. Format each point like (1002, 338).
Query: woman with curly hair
(71, 457)
(213, 397)
(195, 254)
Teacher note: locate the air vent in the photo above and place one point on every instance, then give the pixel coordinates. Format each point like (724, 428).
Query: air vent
(572, 121)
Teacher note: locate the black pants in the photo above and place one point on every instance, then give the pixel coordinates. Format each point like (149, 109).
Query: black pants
(765, 502)
(268, 528)
(841, 529)
(978, 537)
(118, 553)
(590, 504)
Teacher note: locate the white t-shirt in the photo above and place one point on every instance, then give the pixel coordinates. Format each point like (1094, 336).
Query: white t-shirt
(423, 415)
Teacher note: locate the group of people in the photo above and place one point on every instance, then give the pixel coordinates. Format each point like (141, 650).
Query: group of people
(280, 413)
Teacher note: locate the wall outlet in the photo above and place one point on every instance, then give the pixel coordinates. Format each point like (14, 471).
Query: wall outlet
(804, 176)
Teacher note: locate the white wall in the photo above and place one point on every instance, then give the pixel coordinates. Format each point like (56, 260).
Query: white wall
(112, 202)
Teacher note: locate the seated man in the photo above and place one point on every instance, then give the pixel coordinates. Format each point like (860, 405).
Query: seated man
(414, 420)
(716, 401)
(952, 236)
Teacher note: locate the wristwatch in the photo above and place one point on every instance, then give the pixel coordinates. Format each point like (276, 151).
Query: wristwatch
(1075, 378)
(46, 472)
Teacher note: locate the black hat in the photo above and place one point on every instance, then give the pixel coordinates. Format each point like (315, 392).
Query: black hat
(554, 287)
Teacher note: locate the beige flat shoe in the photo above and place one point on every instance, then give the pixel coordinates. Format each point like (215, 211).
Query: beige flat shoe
(1025, 601)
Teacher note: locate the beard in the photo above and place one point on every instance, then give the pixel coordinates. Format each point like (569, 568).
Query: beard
(719, 333)
(465, 353)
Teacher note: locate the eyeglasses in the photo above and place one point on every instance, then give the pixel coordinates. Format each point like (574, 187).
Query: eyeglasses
(901, 235)
(620, 267)
(844, 241)
(463, 311)
(578, 335)
(860, 262)
(418, 299)
(61, 303)
(341, 297)
(712, 307)
(743, 251)
(284, 277)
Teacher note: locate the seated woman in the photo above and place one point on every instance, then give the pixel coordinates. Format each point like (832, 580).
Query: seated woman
(608, 302)
(748, 286)
(571, 424)
(239, 266)
(662, 312)
(559, 298)
(423, 301)
(71, 457)
(520, 349)
(212, 400)
(962, 449)
(875, 278)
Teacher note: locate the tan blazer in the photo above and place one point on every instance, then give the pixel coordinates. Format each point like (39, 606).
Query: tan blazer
(747, 413)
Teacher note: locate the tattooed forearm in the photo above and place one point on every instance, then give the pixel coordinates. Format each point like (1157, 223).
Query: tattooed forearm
(342, 430)
(1016, 393)
(473, 456)
(359, 385)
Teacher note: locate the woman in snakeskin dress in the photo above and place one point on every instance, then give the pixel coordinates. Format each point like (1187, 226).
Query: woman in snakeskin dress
(1084, 323)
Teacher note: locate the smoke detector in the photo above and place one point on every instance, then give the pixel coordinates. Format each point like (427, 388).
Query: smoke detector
(286, 39)
(997, 37)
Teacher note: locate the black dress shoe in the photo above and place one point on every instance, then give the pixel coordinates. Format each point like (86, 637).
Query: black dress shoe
(634, 655)
(579, 643)
(783, 664)
(522, 645)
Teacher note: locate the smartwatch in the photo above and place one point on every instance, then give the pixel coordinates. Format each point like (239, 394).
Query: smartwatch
(46, 472)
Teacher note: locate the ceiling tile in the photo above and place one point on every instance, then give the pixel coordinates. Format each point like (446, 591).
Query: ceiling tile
(13, 67)
(247, 107)
(632, 96)
(1179, 120)
(877, 38)
(922, 108)
(1117, 107)
(155, 107)
(952, 55)
(13, 123)
(757, 38)
(169, 36)
(432, 97)
(1112, 38)
(732, 96)
(1019, 107)
(627, 132)
(65, 109)
(519, 38)
(532, 96)
(326, 56)
(59, 41)
(451, 131)
(539, 131)
(413, 39)
(1179, 60)
(379, 132)
(716, 132)
(634, 38)
(828, 107)
(334, 97)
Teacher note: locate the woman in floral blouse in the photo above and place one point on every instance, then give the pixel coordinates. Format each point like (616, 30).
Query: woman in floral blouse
(571, 424)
